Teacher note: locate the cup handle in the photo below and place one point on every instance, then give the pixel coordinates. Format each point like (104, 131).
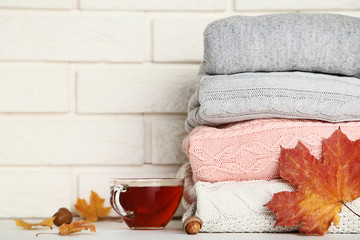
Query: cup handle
(115, 200)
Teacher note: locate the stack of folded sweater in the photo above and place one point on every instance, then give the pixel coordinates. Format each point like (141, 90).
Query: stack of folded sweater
(265, 82)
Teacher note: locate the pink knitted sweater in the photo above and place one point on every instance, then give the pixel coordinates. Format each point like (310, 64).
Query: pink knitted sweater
(250, 150)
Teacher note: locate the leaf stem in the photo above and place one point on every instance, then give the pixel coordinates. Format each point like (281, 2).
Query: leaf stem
(350, 209)
(45, 233)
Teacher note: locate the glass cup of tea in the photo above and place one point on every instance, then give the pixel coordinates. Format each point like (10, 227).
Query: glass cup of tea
(146, 203)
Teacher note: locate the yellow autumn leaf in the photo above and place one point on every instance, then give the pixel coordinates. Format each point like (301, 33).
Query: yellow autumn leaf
(75, 227)
(48, 222)
(91, 212)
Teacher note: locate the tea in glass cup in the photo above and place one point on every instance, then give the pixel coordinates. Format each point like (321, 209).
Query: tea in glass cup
(146, 203)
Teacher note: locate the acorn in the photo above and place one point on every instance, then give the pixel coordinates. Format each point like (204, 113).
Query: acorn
(63, 215)
(192, 225)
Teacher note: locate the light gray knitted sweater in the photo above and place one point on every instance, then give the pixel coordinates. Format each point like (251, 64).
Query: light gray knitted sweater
(327, 43)
(222, 99)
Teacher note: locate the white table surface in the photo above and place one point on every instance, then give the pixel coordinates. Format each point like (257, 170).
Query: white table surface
(109, 230)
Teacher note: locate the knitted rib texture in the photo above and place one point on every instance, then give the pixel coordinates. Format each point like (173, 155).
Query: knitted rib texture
(327, 43)
(189, 195)
(239, 207)
(250, 150)
(222, 99)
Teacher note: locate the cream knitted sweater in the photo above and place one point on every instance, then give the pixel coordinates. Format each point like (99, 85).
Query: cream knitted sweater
(239, 207)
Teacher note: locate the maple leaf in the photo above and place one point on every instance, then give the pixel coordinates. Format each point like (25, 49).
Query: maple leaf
(67, 229)
(76, 227)
(48, 222)
(93, 211)
(323, 185)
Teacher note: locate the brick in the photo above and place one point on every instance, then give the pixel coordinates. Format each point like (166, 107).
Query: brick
(42, 4)
(25, 89)
(297, 5)
(72, 38)
(155, 5)
(135, 90)
(179, 40)
(98, 179)
(167, 138)
(64, 142)
(34, 193)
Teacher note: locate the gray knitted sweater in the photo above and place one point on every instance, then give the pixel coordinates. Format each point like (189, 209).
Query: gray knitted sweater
(222, 99)
(326, 43)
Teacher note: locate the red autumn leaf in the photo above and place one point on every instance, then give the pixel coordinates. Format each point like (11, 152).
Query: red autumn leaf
(323, 185)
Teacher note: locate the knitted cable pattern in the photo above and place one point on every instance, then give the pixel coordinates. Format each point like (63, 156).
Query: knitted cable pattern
(222, 99)
(239, 207)
(250, 150)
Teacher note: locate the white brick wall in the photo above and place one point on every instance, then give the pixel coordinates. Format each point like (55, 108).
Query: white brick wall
(297, 5)
(92, 89)
(34, 191)
(38, 4)
(167, 136)
(34, 89)
(178, 39)
(72, 142)
(156, 5)
(136, 90)
(72, 38)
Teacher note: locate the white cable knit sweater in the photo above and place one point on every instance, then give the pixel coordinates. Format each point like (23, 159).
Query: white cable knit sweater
(239, 206)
